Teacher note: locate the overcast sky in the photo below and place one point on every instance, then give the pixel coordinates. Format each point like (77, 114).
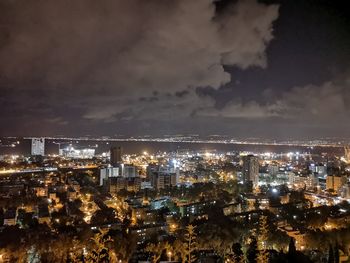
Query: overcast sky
(272, 69)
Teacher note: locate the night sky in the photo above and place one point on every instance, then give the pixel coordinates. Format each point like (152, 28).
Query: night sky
(269, 69)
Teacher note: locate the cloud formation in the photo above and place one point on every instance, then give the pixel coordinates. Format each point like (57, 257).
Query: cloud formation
(120, 45)
(324, 105)
(103, 56)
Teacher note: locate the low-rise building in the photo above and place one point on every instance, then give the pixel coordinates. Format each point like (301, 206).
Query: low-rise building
(43, 214)
(194, 209)
(232, 208)
(10, 217)
(72, 194)
(146, 231)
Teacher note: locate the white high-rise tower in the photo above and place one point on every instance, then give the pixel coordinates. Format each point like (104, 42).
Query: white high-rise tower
(347, 153)
(38, 146)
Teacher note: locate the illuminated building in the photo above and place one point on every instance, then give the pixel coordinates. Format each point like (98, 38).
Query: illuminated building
(345, 191)
(143, 232)
(10, 217)
(273, 170)
(128, 170)
(347, 153)
(115, 184)
(195, 209)
(107, 172)
(160, 203)
(250, 170)
(164, 180)
(146, 185)
(320, 169)
(335, 182)
(41, 191)
(150, 170)
(43, 214)
(71, 194)
(163, 176)
(133, 184)
(72, 152)
(38, 146)
(138, 212)
(116, 156)
(232, 208)
(309, 181)
(11, 189)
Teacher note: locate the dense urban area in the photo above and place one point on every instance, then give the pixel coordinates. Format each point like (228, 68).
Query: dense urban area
(177, 206)
(175, 131)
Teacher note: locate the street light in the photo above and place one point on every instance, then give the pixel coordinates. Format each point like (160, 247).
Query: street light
(169, 255)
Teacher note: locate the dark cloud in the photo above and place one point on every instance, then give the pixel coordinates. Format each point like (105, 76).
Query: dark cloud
(85, 67)
(122, 45)
(105, 59)
(182, 93)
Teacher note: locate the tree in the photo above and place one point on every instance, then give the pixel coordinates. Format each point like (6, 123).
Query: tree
(330, 254)
(1, 216)
(263, 232)
(179, 249)
(336, 252)
(278, 239)
(291, 247)
(157, 250)
(100, 251)
(104, 216)
(61, 247)
(169, 250)
(191, 244)
(263, 255)
(76, 252)
(291, 250)
(257, 204)
(124, 245)
(237, 252)
(252, 251)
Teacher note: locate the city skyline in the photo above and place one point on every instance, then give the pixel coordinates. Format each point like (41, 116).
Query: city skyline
(174, 131)
(280, 205)
(266, 69)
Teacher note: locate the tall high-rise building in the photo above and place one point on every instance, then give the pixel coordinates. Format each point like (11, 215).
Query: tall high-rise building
(335, 182)
(347, 153)
(116, 155)
(116, 184)
(162, 180)
(345, 191)
(38, 146)
(108, 172)
(162, 177)
(128, 171)
(250, 170)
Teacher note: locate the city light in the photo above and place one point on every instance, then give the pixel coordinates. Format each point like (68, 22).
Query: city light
(175, 131)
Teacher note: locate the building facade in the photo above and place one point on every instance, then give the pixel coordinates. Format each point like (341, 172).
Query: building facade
(250, 171)
(116, 154)
(335, 182)
(38, 146)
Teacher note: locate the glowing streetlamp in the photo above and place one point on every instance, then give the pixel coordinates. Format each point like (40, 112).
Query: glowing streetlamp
(169, 255)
